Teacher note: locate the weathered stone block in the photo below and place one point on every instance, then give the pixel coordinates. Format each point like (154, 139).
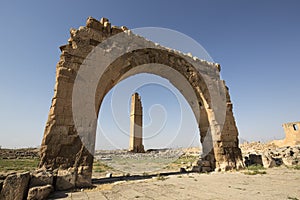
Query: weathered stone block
(116, 30)
(15, 186)
(103, 20)
(41, 177)
(196, 169)
(84, 177)
(206, 169)
(205, 163)
(39, 192)
(268, 161)
(93, 23)
(1, 185)
(226, 144)
(65, 179)
(289, 161)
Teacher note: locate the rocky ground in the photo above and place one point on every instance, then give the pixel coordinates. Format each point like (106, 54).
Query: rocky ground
(278, 180)
(278, 183)
(273, 173)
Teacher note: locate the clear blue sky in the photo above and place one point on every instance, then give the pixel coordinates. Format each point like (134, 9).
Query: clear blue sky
(256, 42)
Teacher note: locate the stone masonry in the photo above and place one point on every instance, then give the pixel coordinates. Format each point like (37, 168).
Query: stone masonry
(292, 135)
(136, 125)
(68, 142)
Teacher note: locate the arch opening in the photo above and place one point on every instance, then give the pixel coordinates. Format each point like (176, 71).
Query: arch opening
(120, 69)
(170, 127)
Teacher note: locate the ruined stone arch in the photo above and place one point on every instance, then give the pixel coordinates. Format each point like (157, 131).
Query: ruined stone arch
(69, 136)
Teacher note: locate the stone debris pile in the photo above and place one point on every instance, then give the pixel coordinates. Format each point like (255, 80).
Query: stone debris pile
(151, 153)
(19, 153)
(36, 185)
(269, 155)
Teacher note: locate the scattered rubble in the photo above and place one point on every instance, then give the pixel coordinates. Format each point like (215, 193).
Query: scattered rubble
(39, 192)
(19, 153)
(34, 185)
(106, 155)
(270, 155)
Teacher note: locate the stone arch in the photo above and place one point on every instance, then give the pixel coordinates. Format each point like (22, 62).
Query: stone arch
(69, 136)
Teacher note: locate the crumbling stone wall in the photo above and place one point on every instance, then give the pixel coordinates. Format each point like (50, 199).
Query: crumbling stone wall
(63, 149)
(292, 135)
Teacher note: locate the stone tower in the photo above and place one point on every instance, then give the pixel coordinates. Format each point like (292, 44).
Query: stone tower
(136, 125)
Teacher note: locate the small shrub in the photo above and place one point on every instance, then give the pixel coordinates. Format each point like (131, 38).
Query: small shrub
(161, 178)
(255, 167)
(100, 167)
(186, 159)
(293, 198)
(297, 167)
(145, 174)
(254, 172)
(126, 174)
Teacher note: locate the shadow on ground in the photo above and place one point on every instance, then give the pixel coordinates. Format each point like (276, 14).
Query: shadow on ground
(99, 181)
(134, 177)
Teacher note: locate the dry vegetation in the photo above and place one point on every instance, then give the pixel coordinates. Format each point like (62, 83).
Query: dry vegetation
(20, 165)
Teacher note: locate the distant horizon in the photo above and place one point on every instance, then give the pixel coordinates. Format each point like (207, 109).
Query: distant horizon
(241, 141)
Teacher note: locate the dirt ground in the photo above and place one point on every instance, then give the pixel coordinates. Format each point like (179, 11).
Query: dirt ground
(277, 183)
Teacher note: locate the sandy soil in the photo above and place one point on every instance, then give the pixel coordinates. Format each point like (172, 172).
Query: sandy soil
(277, 183)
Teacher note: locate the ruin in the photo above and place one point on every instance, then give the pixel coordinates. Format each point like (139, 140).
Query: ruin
(292, 135)
(97, 57)
(136, 125)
